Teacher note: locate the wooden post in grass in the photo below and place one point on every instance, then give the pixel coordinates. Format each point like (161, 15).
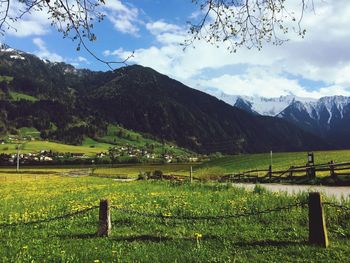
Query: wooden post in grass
(191, 175)
(317, 224)
(331, 170)
(270, 172)
(310, 172)
(291, 172)
(105, 225)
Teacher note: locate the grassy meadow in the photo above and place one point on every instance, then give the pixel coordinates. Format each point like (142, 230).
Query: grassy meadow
(275, 237)
(116, 136)
(210, 169)
(16, 96)
(280, 161)
(36, 146)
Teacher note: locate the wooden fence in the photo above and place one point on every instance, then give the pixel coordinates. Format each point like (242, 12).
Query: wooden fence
(332, 170)
(317, 224)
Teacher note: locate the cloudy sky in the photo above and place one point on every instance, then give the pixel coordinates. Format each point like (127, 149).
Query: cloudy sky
(316, 66)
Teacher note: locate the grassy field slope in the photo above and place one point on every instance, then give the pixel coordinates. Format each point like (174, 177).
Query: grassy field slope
(280, 161)
(273, 237)
(116, 136)
(35, 146)
(16, 96)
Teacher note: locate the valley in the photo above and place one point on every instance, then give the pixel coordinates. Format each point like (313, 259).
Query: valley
(164, 158)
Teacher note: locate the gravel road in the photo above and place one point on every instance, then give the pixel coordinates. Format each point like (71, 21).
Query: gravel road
(335, 191)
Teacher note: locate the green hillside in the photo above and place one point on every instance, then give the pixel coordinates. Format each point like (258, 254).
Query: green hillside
(116, 137)
(36, 146)
(16, 96)
(81, 103)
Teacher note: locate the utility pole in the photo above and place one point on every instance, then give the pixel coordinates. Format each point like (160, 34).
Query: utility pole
(271, 158)
(18, 152)
(19, 144)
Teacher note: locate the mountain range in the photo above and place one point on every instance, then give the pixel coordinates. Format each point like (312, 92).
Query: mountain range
(67, 104)
(327, 117)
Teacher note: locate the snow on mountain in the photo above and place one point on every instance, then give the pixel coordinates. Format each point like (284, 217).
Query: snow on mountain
(14, 53)
(17, 57)
(261, 105)
(323, 111)
(332, 107)
(6, 48)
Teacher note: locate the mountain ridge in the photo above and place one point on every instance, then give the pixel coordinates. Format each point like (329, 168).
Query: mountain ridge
(71, 103)
(327, 117)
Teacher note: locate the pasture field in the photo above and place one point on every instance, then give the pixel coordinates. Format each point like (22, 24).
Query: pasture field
(113, 171)
(134, 170)
(36, 146)
(273, 237)
(16, 96)
(116, 136)
(280, 161)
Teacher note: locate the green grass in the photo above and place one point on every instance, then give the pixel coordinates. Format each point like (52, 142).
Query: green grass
(16, 96)
(120, 136)
(275, 237)
(103, 147)
(29, 131)
(7, 79)
(116, 136)
(35, 146)
(134, 170)
(280, 161)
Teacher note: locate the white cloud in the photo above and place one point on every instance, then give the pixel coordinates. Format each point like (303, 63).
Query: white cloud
(31, 24)
(39, 43)
(160, 26)
(324, 55)
(124, 18)
(44, 53)
(83, 59)
(260, 82)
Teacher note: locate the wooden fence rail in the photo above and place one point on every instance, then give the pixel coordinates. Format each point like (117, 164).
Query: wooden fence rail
(309, 171)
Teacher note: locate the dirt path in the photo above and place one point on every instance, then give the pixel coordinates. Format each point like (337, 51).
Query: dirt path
(335, 191)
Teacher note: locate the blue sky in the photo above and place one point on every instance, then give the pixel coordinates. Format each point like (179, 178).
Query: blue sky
(316, 66)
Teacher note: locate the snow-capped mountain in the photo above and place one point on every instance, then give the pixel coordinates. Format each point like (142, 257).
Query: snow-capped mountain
(13, 53)
(328, 117)
(260, 105)
(18, 57)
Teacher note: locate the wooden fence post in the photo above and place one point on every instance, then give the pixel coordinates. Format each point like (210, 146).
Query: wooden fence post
(310, 172)
(331, 170)
(270, 173)
(291, 172)
(317, 224)
(105, 225)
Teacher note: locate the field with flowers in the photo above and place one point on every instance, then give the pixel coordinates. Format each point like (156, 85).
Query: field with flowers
(279, 236)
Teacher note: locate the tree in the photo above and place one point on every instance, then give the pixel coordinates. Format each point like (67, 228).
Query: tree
(248, 23)
(73, 18)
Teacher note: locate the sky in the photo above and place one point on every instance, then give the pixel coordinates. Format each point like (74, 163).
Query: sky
(315, 66)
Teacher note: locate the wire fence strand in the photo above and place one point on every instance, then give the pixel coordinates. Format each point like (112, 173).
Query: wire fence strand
(46, 220)
(335, 205)
(217, 217)
(179, 217)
